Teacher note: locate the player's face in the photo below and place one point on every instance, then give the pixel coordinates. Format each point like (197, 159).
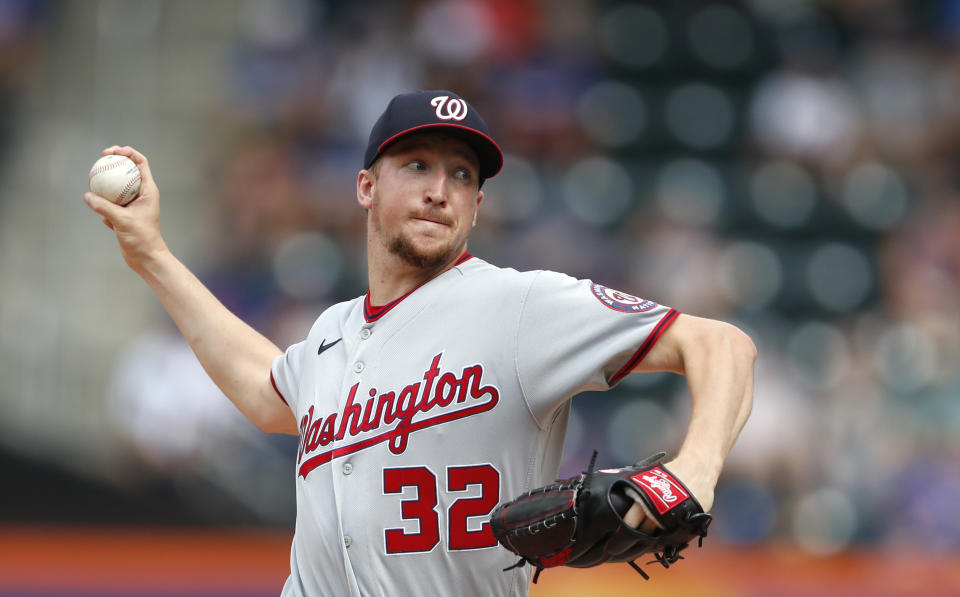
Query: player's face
(425, 199)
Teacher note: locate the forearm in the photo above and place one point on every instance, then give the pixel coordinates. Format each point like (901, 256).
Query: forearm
(235, 356)
(719, 372)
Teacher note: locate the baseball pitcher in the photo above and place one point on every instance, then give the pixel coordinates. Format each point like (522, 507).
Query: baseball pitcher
(431, 411)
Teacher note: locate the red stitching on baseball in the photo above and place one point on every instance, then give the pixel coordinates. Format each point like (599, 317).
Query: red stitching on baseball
(129, 186)
(103, 168)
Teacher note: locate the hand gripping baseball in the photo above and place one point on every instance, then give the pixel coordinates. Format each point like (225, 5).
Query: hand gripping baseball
(579, 522)
(137, 225)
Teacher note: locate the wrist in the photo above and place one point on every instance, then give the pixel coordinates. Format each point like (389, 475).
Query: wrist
(710, 462)
(150, 262)
(698, 473)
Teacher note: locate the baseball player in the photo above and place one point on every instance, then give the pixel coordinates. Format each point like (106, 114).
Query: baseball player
(446, 388)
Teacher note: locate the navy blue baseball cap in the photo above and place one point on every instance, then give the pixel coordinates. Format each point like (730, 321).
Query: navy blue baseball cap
(410, 113)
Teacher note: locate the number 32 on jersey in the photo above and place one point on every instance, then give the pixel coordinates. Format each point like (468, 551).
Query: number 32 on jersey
(423, 507)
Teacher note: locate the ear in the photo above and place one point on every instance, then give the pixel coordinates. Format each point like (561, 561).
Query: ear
(365, 183)
(476, 210)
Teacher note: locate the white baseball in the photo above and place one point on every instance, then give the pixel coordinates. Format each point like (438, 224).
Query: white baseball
(115, 178)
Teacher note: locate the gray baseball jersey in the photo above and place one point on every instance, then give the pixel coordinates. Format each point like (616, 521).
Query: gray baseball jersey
(417, 418)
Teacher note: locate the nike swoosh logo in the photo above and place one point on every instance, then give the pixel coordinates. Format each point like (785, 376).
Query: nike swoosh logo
(323, 346)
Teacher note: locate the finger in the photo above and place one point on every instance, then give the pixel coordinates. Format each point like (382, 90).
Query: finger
(649, 526)
(635, 516)
(107, 222)
(103, 208)
(649, 523)
(138, 158)
(130, 152)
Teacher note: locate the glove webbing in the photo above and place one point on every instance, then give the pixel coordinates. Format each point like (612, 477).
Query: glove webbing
(672, 554)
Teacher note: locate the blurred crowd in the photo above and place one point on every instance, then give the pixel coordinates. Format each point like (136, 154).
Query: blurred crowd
(21, 42)
(787, 165)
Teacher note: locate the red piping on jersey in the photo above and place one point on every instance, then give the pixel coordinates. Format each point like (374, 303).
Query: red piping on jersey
(373, 313)
(273, 382)
(658, 331)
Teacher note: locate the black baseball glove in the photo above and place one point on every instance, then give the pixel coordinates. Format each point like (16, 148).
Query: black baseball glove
(579, 522)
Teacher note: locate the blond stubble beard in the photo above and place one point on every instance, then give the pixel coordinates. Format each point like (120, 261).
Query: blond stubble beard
(404, 248)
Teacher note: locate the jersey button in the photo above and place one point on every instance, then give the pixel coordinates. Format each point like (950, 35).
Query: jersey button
(365, 333)
(347, 468)
(347, 541)
(358, 367)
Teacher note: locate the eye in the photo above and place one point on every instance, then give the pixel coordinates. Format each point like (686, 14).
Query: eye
(463, 174)
(417, 165)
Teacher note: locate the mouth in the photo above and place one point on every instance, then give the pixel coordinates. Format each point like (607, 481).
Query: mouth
(434, 220)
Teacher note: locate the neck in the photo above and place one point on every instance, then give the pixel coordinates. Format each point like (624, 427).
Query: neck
(391, 277)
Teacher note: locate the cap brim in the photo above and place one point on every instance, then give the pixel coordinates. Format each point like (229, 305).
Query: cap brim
(488, 152)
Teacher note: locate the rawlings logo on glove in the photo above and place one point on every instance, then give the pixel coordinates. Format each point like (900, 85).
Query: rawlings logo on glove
(662, 489)
(579, 522)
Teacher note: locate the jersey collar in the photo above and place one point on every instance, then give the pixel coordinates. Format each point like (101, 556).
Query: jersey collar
(372, 312)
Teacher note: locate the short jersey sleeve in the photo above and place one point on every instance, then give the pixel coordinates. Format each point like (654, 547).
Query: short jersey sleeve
(286, 372)
(576, 335)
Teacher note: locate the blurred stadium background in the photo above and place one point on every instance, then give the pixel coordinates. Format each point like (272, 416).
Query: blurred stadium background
(788, 165)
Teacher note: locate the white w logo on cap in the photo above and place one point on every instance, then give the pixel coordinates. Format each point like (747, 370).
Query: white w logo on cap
(449, 109)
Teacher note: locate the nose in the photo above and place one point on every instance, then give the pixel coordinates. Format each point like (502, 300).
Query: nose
(437, 190)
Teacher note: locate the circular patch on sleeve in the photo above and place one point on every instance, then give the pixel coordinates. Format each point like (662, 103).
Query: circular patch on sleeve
(621, 301)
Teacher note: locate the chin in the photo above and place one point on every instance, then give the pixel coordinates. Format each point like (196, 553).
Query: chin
(422, 257)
